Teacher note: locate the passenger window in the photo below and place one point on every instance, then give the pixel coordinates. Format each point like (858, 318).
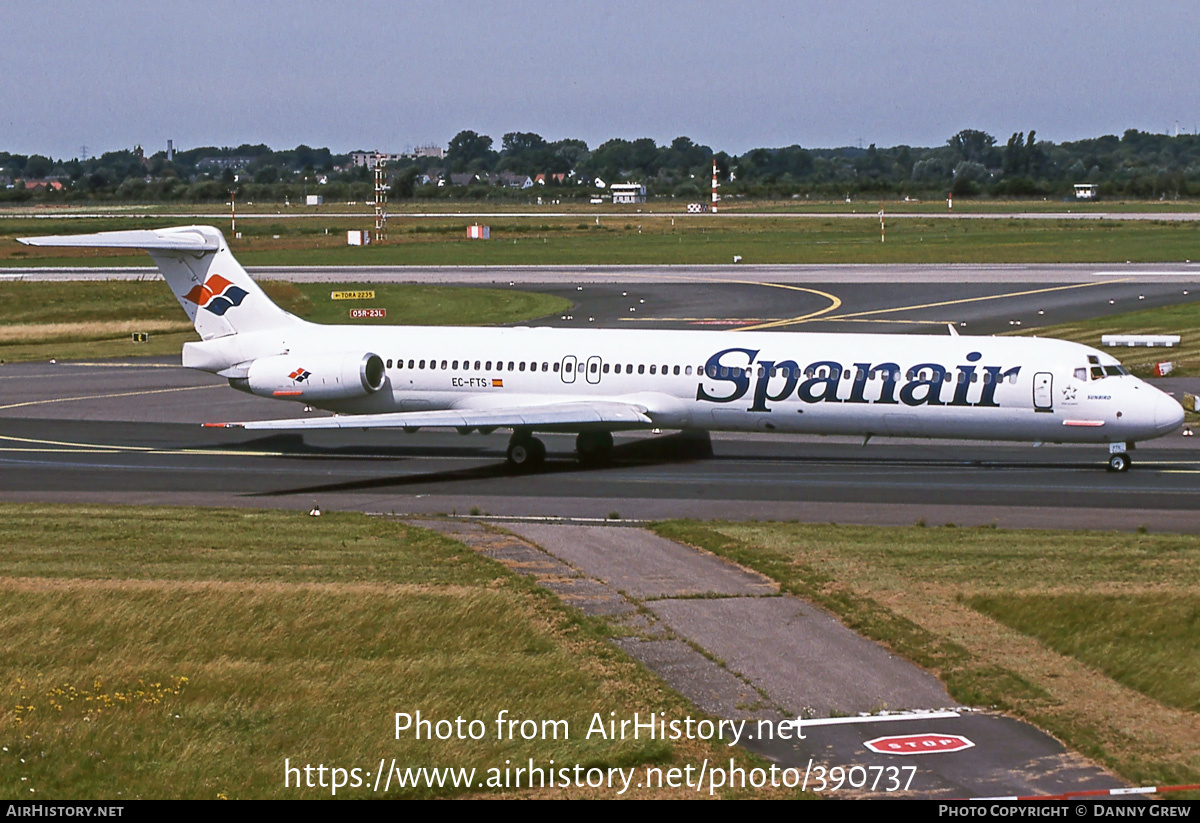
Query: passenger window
(443, 364)
(522, 365)
(510, 365)
(556, 368)
(454, 365)
(545, 367)
(654, 369)
(389, 363)
(594, 367)
(676, 371)
(422, 364)
(642, 369)
(567, 367)
(688, 370)
(476, 365)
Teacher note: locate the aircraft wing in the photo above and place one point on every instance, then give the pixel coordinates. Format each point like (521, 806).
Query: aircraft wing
(550, 415)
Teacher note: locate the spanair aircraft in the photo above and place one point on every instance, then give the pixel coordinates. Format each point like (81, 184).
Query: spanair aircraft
(595, 382)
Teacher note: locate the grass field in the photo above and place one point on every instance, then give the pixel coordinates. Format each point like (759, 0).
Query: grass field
(650, 239)
(176, 653)
(1182, 319)
(44, 320)
(1092, 636)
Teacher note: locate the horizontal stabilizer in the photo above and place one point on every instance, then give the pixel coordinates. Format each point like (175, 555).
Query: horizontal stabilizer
(179, 239)
(212, 288)
(552, 414)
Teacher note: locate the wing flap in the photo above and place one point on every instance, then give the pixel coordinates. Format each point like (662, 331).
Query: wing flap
(553, 414)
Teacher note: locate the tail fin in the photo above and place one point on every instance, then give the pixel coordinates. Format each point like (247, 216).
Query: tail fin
(213, 288)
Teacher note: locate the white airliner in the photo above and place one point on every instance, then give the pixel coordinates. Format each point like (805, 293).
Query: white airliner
(594, 382)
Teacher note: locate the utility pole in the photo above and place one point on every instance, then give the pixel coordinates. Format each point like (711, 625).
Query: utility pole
(715, 197)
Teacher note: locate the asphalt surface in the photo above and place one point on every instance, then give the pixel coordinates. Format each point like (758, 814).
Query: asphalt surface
(727, 639)
(128, 433)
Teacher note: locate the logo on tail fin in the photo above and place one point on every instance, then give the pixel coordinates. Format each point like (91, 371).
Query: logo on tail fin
(217, 295)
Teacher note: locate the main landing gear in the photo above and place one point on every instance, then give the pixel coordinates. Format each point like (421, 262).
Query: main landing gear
(1118, 458)
(525, 452)
(594, 448)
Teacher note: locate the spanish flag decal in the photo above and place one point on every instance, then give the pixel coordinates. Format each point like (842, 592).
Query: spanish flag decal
(497, 383)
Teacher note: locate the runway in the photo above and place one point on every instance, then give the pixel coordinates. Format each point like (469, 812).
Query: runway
(129, 433)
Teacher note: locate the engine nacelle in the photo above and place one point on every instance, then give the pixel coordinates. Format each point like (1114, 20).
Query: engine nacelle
(314, 378)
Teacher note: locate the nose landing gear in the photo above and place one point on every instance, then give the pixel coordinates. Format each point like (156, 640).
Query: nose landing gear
(1118, 458)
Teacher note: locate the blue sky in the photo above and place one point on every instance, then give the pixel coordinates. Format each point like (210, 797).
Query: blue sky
(384, 75)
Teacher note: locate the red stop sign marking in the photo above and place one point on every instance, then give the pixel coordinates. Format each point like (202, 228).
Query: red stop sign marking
(919, 744)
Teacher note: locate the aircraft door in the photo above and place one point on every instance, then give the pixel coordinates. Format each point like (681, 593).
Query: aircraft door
(1043, 391)
(593, 369)
(567, 370)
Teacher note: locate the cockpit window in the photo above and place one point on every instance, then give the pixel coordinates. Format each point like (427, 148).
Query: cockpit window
(1081, 374)
(1097, 372)
(1115, 371)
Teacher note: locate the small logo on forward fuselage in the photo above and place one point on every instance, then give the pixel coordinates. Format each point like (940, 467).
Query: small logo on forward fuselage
(218, 295)
(300, 375)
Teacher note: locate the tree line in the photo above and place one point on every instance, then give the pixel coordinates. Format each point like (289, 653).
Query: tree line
(971, 163)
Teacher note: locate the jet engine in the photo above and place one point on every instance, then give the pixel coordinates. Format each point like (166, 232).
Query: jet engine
(314, 378)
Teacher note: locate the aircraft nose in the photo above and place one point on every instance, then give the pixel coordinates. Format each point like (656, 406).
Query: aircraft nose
(1168, 415)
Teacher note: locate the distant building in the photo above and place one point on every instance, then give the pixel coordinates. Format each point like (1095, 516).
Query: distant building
(210, 163)
(429, 151)
(628, 192)
(369, 158)
(1086, 191)
(431, 177)
(513, 180)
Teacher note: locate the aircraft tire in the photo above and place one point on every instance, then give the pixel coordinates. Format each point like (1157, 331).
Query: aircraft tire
(594, 448)
(525, 454)
(1119, 462)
